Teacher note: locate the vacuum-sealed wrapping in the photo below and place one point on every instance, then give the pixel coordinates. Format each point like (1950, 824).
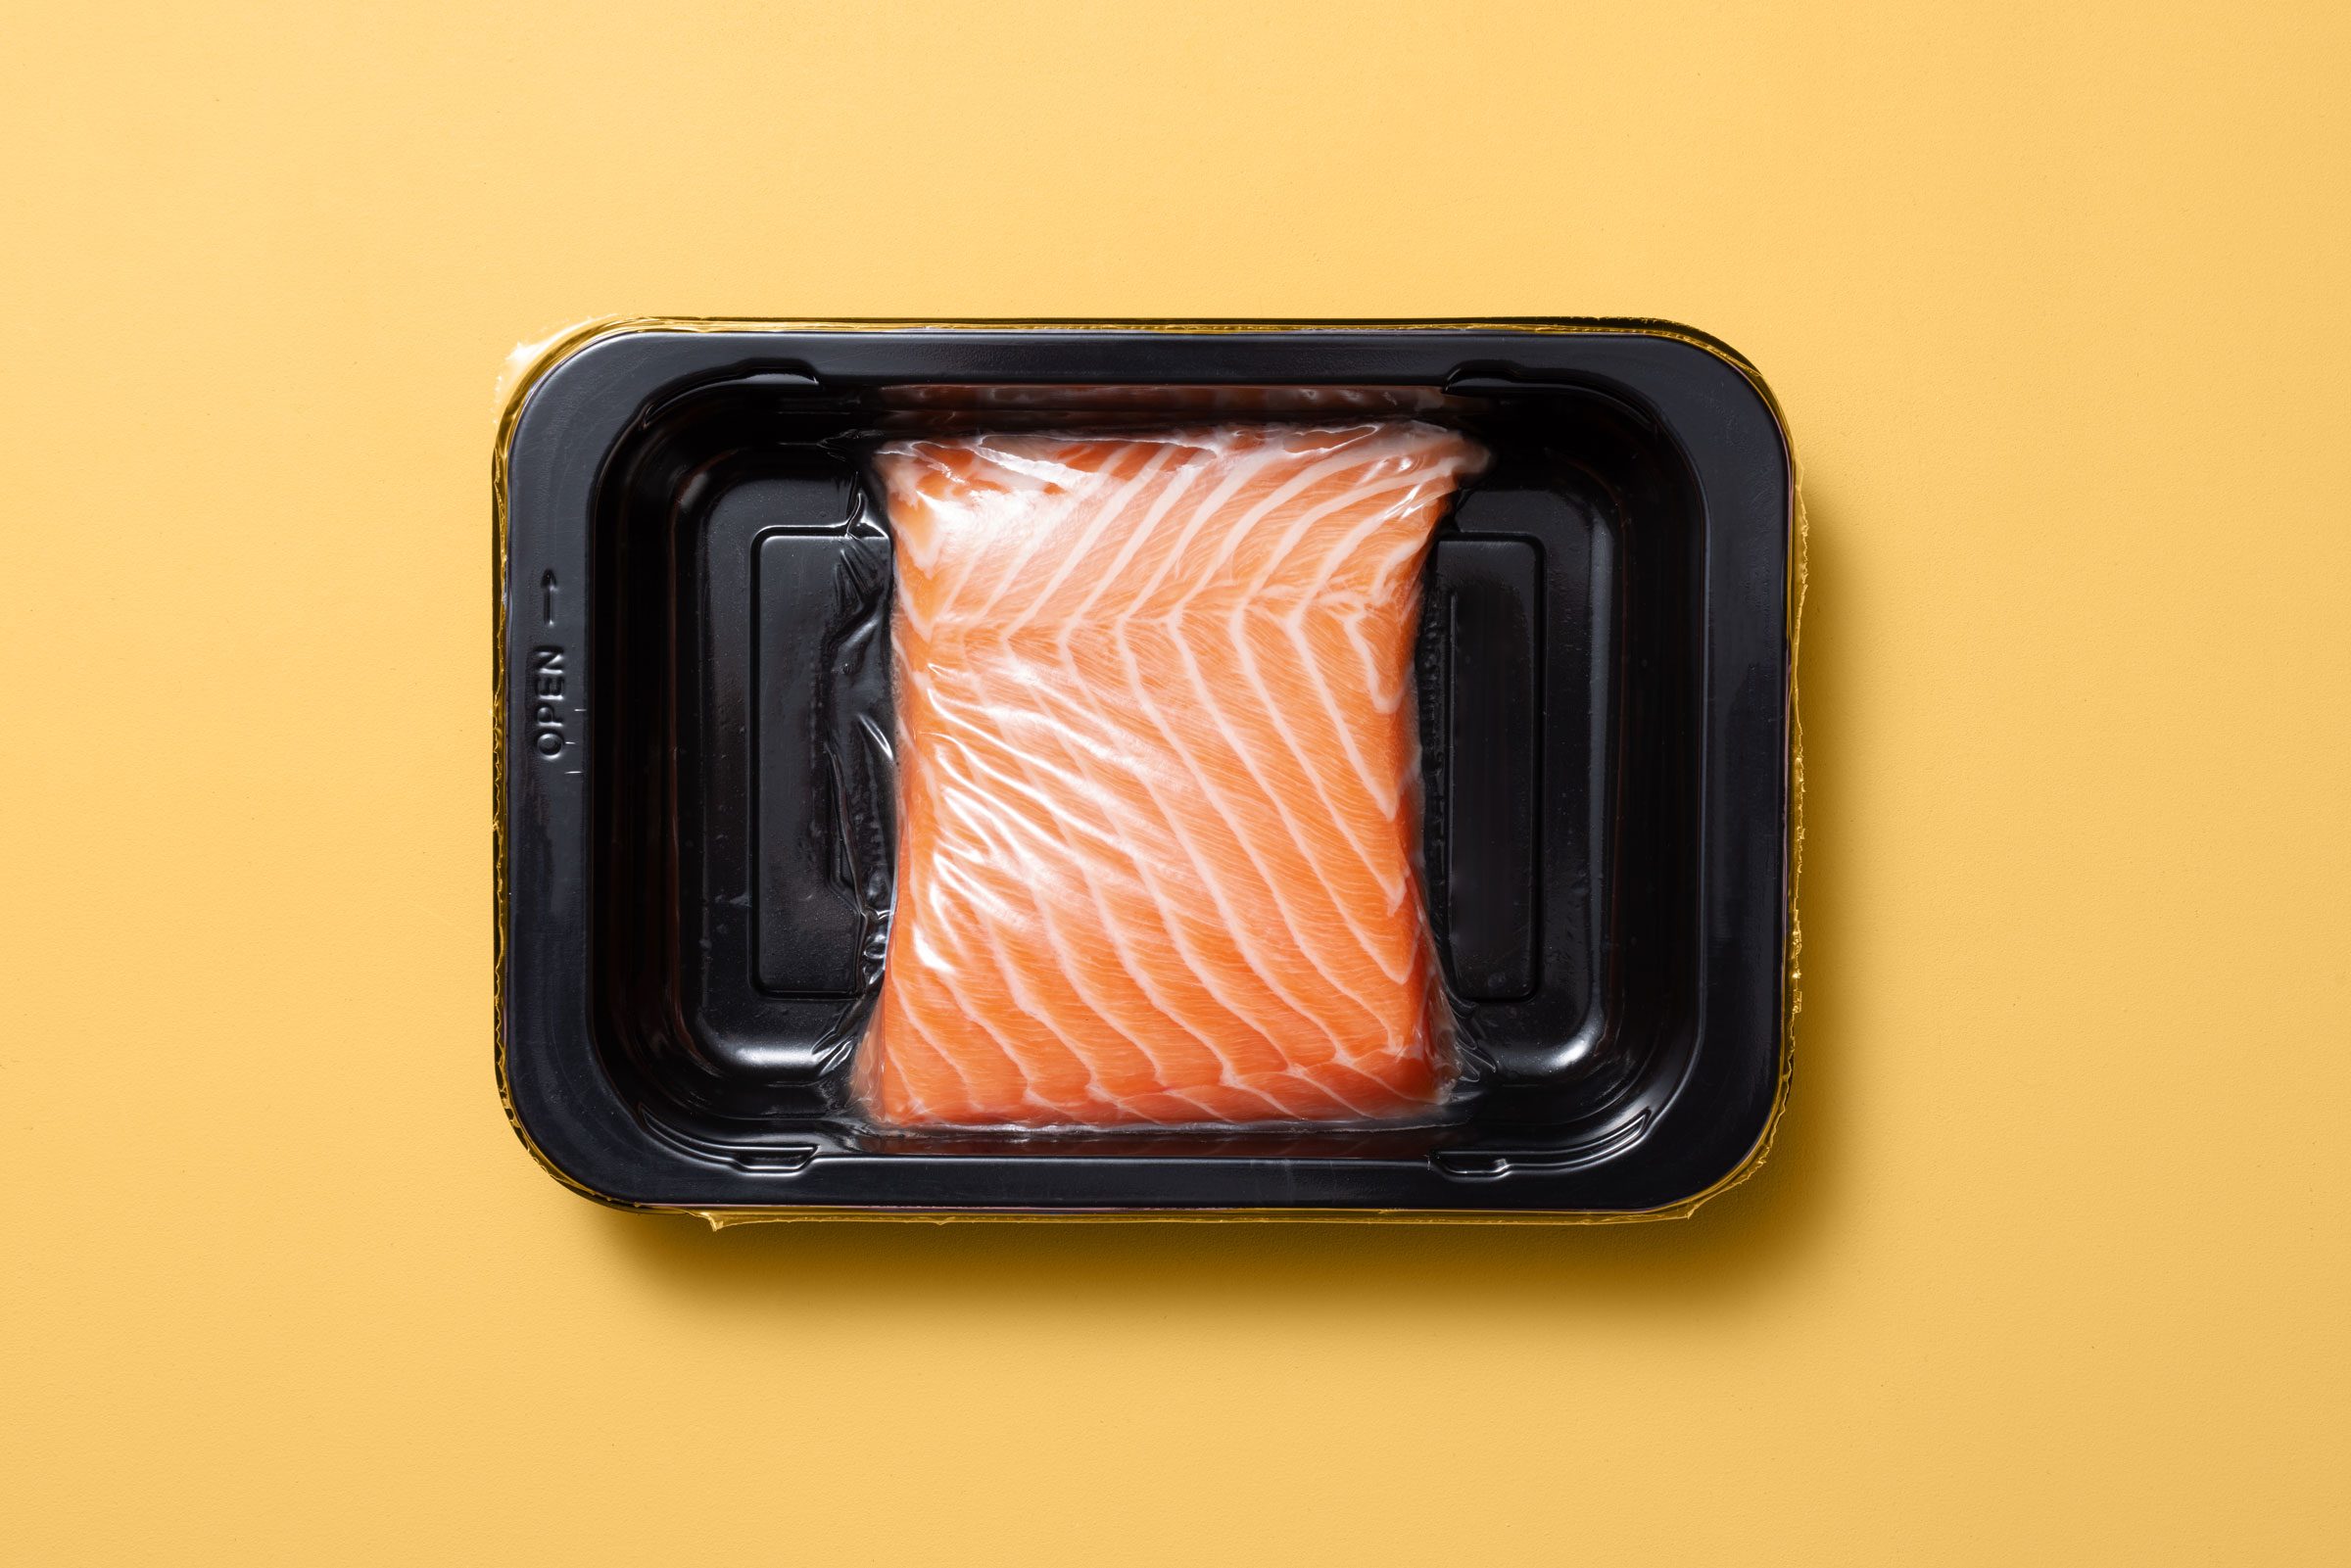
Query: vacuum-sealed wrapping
(1159, 770)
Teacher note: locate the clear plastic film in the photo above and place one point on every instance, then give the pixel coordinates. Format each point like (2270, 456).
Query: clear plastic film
(1158, 858)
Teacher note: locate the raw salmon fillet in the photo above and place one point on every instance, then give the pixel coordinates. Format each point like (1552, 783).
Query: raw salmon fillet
(1158, 779)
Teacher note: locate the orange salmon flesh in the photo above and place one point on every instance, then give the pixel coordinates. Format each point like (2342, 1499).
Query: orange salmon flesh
(1158, 779)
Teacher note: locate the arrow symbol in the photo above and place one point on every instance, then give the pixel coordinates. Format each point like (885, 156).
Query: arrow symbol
(546, 596)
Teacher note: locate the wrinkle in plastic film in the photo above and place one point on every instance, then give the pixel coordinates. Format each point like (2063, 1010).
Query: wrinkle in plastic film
(827, 825)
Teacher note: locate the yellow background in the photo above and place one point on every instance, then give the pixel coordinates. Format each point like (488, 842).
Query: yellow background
(2051, 1264)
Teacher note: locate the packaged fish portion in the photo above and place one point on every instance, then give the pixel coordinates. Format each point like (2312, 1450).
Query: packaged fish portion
(1336, 768)
(1159, 807)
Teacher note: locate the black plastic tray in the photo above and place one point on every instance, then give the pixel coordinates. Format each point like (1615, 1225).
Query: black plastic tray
(1605, 684)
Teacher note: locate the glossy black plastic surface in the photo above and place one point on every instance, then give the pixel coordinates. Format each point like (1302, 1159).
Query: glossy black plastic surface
(693, 803)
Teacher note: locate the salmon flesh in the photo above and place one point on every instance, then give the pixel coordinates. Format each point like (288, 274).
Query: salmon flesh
(1158, 779)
